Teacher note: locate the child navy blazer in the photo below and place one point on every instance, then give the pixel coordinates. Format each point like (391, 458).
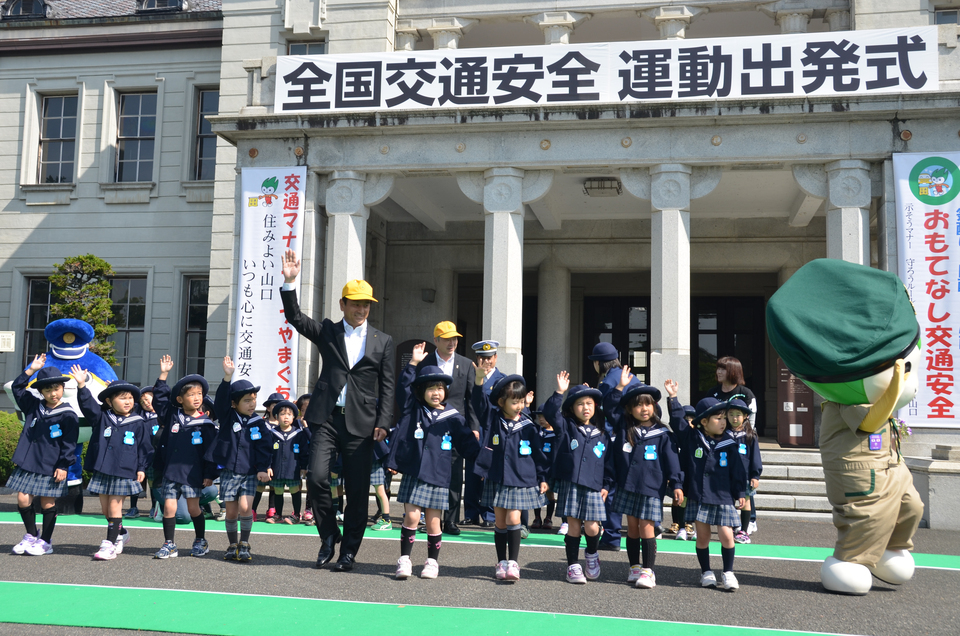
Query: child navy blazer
(49, 438)
(581, 451)
(243, 444)
(182, 443)
(123, 446)
(511, 453)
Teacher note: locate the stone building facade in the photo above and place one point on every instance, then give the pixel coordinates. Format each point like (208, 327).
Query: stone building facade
(488, 217)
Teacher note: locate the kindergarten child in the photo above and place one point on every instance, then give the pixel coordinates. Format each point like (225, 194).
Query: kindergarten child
(427, 433)
(123, 452)
(379, 481)
(242, 447)
(44, 452)
(646, 465)
(288, 464)
(738, 414)
(511, 462)
(302, 403)
(185, 434)
(144, 408)
(548, 443)
(270, 417)
(579, 471)
(714, 481)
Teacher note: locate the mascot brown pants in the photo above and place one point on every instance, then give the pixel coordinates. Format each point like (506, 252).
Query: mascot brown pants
(874, 510)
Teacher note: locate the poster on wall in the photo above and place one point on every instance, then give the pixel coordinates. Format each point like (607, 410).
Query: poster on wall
(271, 210)
(928, 245)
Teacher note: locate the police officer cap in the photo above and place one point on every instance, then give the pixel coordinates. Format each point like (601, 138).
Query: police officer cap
(485, 348)
(119, 386)
(578, 391)
(430, 374)
(68, 332)
(835, 321)
(241, 387)
(604, 352)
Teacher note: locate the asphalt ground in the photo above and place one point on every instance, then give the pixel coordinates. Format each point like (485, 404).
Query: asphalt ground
(775, 593)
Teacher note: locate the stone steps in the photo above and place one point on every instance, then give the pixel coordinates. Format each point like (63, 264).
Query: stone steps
(792, 486)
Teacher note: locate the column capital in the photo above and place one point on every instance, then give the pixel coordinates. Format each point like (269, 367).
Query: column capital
(673, 20)
(557, 25)
(838, 19)
(849, 184)
(407, 36)
(351, 192)
(673, 185)
(533, 185)
(446, 32)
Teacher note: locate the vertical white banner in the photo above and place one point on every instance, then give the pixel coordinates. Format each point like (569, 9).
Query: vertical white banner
(928, 245)
(271, 210)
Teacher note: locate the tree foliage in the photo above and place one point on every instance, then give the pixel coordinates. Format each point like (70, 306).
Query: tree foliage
(81, 288)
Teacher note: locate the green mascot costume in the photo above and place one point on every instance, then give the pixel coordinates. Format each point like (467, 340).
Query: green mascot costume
(850, 333)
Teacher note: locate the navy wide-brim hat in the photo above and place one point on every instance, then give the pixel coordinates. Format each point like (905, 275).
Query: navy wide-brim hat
(689, 410)
(273, 399)
(48, 376)
(578, 391)
(707, 407)
(503, 382)
(119, 386)
(187, 379)
(640, 389)
(603, 352)
(146, 389)
(430, 374)
(241, 387)
(740, 405)
(286, 404)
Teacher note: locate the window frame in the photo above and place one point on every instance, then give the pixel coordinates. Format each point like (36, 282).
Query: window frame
(8, 6)
(199, 135)
(186, 330)
(946, 10)
(308, 44)
(141, 8)
(61, 139)
(139, 138)
(128, 192)
(26, 354)
(125, 365)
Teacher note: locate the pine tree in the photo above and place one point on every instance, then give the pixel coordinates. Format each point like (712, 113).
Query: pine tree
(81, 287)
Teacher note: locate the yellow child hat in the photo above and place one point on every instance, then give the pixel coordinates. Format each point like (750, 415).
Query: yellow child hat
(358, 290)
(446, 329)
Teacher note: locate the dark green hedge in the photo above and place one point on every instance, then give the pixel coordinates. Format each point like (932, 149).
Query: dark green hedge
(10, 429)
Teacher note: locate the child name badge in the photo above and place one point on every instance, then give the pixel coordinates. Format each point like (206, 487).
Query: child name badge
(598, 449)
(650, 451)
(107, 432)
(627, 447)
(546, 447)
(876, 441)
(446, 443)
(743, 449)
(55, 431)
(236, 427)
(276, 446)
(699, 453)
(573, 444)
(176, 428)
(723, 459)
(255, 433)
(496, 440)
(128, 438)
(525, 447)
(418, 434)
(156, 427)
(195, 438)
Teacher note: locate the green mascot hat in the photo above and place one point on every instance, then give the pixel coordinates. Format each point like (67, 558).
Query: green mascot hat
(835, 323)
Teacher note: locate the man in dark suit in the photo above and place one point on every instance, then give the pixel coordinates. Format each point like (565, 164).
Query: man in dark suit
(350, 408)
(446, 338)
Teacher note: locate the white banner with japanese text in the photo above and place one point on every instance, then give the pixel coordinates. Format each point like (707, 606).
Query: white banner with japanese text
(271, 210)
(842, 63)
(928, 245)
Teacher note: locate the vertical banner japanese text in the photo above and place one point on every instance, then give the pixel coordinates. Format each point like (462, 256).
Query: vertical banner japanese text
(271, 210)
(928, 224)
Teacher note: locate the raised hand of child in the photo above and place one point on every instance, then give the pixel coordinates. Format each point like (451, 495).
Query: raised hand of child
(418, 354)
(528, 398)
(625, 378)
(228, 367)
(563, 382)
(291, 266)
(479, 374)
(672, 387)
(79, 375)
(37, 364)
(166, 364)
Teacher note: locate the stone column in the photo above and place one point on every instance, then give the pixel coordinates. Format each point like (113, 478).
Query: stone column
(553, 325)
(557, 26)
(446, 32)
(793, 16)
(672, 21)
(848, 211)
(503, 193)
(348, 197)
(670, 188)
(407, 36)
(838, 19)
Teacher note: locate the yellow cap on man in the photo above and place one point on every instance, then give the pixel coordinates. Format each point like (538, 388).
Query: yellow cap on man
(446, 329)
(358, 290)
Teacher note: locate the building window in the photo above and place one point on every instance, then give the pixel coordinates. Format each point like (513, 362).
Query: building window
(38, 317)
(206, 162)
(136, 134)
(160, 5)
(307, 48)
(947, 16)
(129, 298)
(58, 139)
(195, 324)
(25, 9)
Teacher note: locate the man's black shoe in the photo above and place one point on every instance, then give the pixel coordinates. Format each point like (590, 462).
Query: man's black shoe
(344, 563)
(325, 555)
(470, 522)
(451, 528)
(609, 547)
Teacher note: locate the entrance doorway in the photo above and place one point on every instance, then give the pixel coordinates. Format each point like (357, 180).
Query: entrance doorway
(623, 321)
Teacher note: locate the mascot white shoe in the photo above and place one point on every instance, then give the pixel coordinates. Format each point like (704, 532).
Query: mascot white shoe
(850, 333)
